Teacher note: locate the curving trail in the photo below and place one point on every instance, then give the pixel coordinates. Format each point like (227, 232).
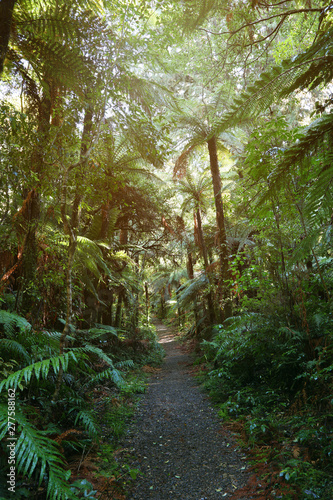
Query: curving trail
(177, 440)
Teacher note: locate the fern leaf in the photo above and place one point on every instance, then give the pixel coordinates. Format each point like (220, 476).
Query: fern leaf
(191, 289)
(34, 450)
(41, 368)
(11, 321)
(15, 349)
(87, 419)
(110, 374)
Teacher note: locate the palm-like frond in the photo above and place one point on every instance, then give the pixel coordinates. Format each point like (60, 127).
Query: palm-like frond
(191, 289)
(54, 36)
(95, 6)
(35, 451)
(314, 149)
(11, 321)
(309, 69)
(148, 93)
(110, 374)
(40, 370)
(313, 137)
(14, 349)
(87, 419)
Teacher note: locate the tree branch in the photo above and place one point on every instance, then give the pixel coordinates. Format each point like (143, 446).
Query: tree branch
(284, 14)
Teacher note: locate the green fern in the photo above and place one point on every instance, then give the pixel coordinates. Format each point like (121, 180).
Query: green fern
(36, 452)
(11, 347)
(39, 370)
(11, 321)
(309, 69)
(86, 418)
(191, 289)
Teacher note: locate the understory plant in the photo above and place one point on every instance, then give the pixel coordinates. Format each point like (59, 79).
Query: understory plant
(276, 380)
(48, 432)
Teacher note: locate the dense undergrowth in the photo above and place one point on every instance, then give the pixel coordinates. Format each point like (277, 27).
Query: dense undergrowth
(273, 385)
(64, 445)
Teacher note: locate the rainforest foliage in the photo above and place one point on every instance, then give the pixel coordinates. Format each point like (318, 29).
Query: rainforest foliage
(165, 159)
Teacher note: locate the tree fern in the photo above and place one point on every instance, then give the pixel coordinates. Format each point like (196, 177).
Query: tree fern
(191, 289)
(309, 69)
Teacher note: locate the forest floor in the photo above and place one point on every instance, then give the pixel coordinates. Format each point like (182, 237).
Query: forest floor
(177, 441)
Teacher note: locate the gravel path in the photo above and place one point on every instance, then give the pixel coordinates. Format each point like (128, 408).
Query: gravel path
(177, 440)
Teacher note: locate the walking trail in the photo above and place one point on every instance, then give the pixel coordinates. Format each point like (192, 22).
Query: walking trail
(177, 441)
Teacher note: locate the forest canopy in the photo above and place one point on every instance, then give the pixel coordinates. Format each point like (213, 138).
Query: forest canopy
(168, 159)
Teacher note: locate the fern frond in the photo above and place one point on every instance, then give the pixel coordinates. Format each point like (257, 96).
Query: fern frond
(15, 349)
(191, 290)
(312, 138)
(90, 349)
(110, 374)
(86, 418)
(127, 363)
(11, 320)
(100, 330)
(307, 70)
(39, 369)
(35, 451)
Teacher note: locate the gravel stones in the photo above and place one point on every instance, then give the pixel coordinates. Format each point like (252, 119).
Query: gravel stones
(177, 441)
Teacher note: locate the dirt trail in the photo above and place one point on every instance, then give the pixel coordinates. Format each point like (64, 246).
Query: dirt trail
(177, 440)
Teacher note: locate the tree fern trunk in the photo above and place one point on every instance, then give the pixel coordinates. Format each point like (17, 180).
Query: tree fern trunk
(210, 303)
(224, 287)
(6, 12)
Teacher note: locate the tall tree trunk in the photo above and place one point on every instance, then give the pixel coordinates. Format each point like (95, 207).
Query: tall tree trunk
(223, 248)
(32, 215)
(210, 303)
(6, 14)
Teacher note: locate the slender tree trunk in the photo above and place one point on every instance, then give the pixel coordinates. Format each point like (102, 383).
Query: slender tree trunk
(117, 320)
(140, 272)
(147, 301)
(223, 248)
(314, 254)
(283, 262)
(210, 303)
(6, 13)
(69, 313)
(190, 272)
